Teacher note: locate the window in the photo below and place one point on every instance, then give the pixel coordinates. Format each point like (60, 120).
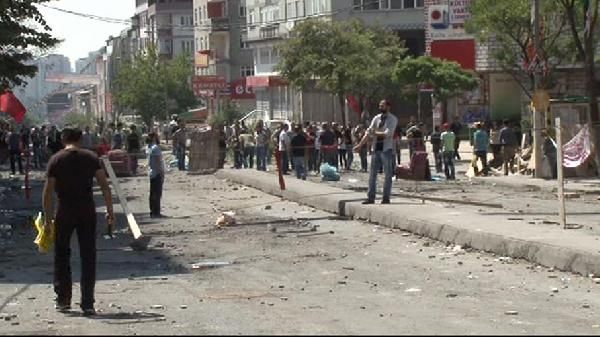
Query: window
(246, 71)
(386, 4)
(242, 11)
(251, 16)
(196, 15)
(182, 19)
(243, 44)
(409, 3)
(264, 55)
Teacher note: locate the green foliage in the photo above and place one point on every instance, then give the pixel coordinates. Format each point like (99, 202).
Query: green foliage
(342, 57)
(228, 114)
(78, 120)
(508, 25)
(22, 30)
(448, 79)
(155, 89)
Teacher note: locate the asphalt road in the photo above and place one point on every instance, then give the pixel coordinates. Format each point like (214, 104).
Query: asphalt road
(285, 277)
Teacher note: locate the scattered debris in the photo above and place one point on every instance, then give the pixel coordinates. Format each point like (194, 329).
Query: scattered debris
(451, 295)
(585, 306)
(210, 264)
(555, 290)
(511, 312)
(268, 207)
(157, 306)
(226, 219)
(412, 290)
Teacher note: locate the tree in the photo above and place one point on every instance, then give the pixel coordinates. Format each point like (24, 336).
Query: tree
(148, 85)
(342, 57)
(228, 114)
(582, 17)
(78, 120)
(507, 25)
(446, 78)
(19, 38)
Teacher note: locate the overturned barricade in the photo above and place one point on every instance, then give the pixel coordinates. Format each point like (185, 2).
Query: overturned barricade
(203, 151)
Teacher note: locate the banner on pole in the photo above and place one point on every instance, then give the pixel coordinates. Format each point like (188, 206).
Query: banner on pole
(578, 149)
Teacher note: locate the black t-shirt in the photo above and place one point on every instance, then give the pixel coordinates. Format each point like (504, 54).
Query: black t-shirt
(298, 145)
(133, 143)
(327, 138)
(74, 171)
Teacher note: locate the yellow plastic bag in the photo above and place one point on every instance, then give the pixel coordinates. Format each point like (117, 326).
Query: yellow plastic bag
(45, 238)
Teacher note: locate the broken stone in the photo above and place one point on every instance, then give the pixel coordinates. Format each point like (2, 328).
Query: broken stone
(585, 306)
(268, 207)
(283, 298)
(183, 306)
(451, 295)
(157, 306)
(511, 312)
(596, 280)
(554, 290)
(412, 290)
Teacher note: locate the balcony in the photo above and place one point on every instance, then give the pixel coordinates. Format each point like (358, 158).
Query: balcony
(267, 31)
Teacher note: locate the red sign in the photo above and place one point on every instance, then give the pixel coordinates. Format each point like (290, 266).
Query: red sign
(461, 51)
(239, 90)
(210, 82)
(265, 81)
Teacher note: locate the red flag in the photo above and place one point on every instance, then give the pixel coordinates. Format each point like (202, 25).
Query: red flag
(353, 104)
(11, 105)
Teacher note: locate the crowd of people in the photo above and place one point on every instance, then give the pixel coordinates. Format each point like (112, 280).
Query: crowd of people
(35, 145)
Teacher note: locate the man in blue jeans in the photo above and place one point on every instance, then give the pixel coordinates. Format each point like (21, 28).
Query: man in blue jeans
(298, 152)
(382, 131)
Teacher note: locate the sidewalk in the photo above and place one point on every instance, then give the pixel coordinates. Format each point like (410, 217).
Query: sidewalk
(463, 225)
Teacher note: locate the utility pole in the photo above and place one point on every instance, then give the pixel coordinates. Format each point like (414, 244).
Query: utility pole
(537, 114)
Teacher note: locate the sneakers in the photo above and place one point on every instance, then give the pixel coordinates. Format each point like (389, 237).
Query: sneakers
(89, 312)
(385, 201)
(368, 202)
(63, 308)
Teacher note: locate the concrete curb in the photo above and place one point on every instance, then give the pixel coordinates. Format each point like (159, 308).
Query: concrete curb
(562, 258)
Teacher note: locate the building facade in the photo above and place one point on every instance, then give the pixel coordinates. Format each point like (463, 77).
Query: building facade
(269, 22)
(221, 49)
(166, 24)
(34, 95)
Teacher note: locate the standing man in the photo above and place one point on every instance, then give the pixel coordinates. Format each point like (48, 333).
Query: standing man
(456, 127)
(436, 144)
(249, 148)
(179, 144)
(284, 147)
(70, 174)
(549, 151)
(133, 148)
(13, 139)
(298, 147)
(117, 138)
(448, 142)
(156, 171)
(509, 142)
(480, 147)
(86, 139)
(36, 143)
(382, 130)
(261, 139)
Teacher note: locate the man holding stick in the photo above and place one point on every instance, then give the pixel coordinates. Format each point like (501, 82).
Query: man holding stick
(70, 174)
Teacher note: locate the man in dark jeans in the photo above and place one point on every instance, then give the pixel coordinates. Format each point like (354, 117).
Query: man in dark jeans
(156, 171)
(14, 149)
(456, 127)
(133, 148)
(70, 174)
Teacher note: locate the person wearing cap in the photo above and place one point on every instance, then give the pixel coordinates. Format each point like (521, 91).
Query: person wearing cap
(382, 131)
(448, 152)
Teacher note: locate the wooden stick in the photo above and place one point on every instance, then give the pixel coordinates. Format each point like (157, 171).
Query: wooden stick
(560, 175)
(133, 225)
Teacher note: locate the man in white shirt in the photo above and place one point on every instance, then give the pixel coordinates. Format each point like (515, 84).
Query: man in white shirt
(382, 131)
(284, 146)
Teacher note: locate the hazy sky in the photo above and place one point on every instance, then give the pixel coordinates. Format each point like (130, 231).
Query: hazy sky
(83, 35)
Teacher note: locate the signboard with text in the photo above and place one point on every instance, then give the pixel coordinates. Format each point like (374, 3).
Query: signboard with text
(446, 21)
(209, 82)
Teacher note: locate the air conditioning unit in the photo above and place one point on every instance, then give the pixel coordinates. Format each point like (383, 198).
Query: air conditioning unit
(439, 18)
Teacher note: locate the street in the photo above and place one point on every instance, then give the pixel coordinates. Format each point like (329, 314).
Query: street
(281, 276)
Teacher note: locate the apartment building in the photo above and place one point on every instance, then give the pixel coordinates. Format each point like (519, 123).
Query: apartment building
(221, 49)
(269, 23)
(166, 24)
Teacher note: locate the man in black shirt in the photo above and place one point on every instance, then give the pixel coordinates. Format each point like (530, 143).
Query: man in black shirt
(328, 145)
(133, 148)
(70, 174)
(456, 126)
(298, 152)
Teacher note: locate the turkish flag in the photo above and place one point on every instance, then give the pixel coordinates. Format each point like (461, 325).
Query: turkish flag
(11, 105)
